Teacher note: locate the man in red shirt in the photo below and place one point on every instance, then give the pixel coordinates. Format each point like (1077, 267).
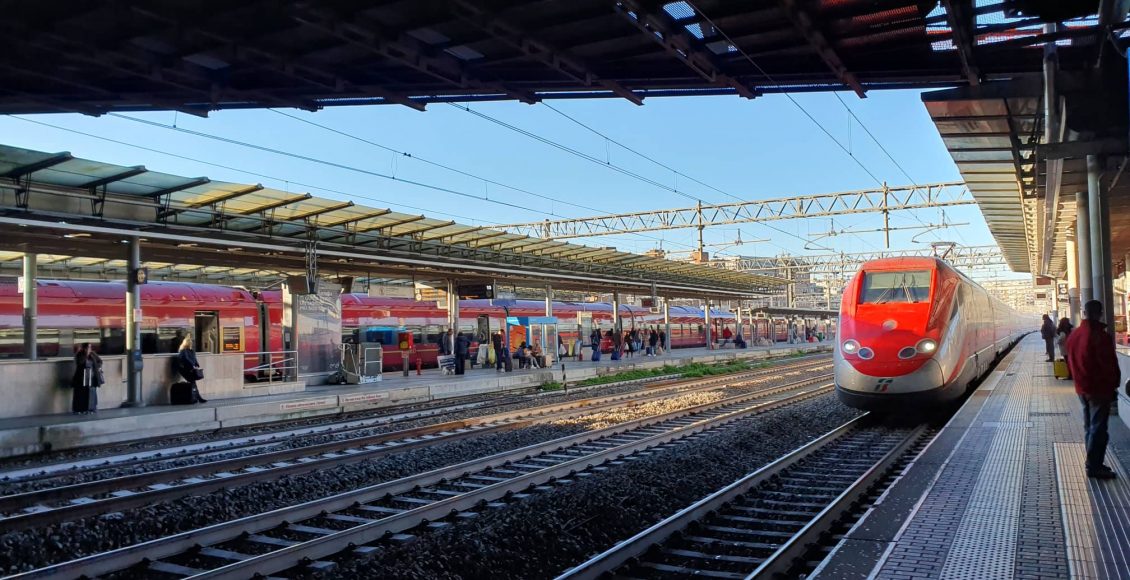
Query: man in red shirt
(1094, 367)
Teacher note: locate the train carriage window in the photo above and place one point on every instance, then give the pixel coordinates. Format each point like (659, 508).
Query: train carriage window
(883, 287)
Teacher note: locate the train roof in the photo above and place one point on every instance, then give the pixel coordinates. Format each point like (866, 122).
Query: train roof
(116, 289)
(904, 262)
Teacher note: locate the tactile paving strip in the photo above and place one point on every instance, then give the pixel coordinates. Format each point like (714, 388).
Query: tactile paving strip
(993, 511)
(985, 543)
(1095, 516)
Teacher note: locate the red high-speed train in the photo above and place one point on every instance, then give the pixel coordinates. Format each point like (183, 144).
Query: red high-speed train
(916, 332)
(232, 319)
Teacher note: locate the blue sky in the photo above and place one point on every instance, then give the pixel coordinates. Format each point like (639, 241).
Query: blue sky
(754, 149)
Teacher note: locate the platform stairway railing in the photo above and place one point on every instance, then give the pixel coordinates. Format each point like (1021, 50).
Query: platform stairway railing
(280, 366)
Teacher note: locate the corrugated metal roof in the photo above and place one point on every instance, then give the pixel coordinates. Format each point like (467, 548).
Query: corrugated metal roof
(252, 209)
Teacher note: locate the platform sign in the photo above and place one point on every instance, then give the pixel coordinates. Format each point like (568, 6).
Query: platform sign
(475, 291)
(504, 299)
(648, 302)
(231, 338)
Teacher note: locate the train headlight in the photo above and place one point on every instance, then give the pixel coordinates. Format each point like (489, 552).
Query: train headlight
(926, 346)
(850, 347)
(866, 353)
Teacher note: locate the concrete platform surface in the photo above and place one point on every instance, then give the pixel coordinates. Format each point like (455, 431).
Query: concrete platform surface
(1001, 492)
(32, 434)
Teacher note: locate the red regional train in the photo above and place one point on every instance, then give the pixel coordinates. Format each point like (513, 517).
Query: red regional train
(916, 332)
(232, 319)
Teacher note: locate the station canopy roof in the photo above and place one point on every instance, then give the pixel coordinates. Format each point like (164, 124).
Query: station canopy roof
(65, 207)
(199, 56)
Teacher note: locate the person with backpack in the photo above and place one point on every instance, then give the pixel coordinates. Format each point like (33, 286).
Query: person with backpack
(86, 380)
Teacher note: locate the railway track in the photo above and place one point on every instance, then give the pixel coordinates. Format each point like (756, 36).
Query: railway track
(89, 467)
(769, 523)
(307, 533)
(49, 505)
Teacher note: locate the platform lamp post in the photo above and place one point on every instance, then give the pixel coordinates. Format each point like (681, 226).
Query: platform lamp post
(134, 364)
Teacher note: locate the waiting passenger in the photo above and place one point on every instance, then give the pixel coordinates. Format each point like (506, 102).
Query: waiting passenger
(1047, 332)
(462, 350)
(1061, 333)
(1094, 368)
(86, 380)
(188, 367)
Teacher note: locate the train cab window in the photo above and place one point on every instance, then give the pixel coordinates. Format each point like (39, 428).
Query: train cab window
(883, 287)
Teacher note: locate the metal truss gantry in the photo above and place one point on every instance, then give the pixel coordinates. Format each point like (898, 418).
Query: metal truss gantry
(961, 257)
(882, 200)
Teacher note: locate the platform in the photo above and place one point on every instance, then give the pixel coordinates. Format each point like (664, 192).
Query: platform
(31, 434)
(1002, 491)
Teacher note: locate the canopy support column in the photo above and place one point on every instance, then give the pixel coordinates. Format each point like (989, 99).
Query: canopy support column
(133, 328)
(1083, 247)
(31, 307)
(706, 318)
(1072, 281)
(666, 326)
(1102, 273)
(452, 312)
(616, 328)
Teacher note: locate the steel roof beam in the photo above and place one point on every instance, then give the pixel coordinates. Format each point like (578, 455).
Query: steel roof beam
(406, 51)
(319, 211)
(423, 229)
(441, 236)
(275, 205)
(811, 32)
(959, 16)
(557, 58)
(477, 242)
(221, 198)
(102, 181)
(680, 44)
(57, 158)
(357, 219)
(179, 187)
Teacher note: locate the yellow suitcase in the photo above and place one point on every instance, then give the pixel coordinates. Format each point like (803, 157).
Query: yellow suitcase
(1060, 369)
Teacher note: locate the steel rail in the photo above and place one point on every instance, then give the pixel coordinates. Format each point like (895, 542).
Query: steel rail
(786, 556)
(633, 548)
(154, 550)
(355, 450)
(312, 550)
(338, 428)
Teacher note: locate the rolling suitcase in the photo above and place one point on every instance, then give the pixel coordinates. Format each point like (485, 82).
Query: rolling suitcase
(182, 394)
(1060, 369)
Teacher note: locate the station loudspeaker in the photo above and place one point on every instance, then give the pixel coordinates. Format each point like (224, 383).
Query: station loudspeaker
(301, 285)
(346, 284)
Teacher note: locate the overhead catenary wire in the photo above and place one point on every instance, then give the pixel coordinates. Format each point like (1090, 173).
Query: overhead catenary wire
(611, 166)
(447, 167)
(797, 104)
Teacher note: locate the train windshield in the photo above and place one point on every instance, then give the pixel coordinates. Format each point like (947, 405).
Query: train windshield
(905, 286)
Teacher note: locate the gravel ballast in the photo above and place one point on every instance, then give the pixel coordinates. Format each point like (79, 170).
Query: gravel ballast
(588, 421)
(548, 533)
(265, 430)
(25, 550)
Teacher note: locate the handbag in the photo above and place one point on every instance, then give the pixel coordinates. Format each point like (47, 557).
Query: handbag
(198, 372)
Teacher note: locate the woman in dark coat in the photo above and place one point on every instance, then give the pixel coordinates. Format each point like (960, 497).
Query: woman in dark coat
(86, 380)
(189, 367)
